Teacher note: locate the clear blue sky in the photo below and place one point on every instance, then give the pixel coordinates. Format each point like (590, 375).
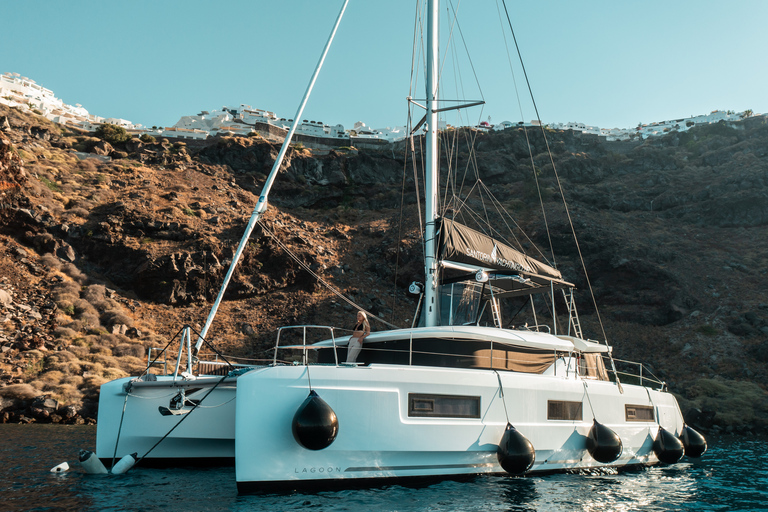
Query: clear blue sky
(606, 63)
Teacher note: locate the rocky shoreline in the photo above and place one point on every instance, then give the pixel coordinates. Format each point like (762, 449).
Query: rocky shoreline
(103, 259)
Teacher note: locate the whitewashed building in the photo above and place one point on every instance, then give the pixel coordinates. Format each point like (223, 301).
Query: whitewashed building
(22, 92)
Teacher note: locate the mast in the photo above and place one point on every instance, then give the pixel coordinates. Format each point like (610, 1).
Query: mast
(432, 165)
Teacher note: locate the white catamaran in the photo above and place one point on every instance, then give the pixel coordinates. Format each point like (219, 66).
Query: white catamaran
(458, 395)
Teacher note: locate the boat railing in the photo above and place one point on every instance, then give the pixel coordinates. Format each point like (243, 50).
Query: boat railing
(302, 337)
(632, 372)
(185, 361)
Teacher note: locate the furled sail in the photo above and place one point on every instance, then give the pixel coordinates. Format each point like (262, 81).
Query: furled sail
(462, 248)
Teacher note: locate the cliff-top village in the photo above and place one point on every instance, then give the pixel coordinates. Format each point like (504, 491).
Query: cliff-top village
(22, 92)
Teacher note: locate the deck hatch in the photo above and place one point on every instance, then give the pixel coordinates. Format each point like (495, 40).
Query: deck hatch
(563, 410)
(443, 406)
(639, 413)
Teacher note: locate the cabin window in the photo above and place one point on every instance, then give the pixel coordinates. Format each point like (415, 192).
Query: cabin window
(562, 410)
(639, 413)
(459, 303)
(443, 406)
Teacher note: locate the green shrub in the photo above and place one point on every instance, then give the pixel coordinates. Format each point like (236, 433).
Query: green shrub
(52, 185)
(147, 138)
(112, 133)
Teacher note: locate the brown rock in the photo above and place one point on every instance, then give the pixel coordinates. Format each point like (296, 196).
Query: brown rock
(102, 148)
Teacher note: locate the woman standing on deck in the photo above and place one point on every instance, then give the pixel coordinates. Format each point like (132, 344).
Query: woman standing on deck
(361, 331)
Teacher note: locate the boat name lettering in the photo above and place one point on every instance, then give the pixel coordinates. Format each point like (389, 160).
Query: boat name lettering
(482, 256)
(321, 469)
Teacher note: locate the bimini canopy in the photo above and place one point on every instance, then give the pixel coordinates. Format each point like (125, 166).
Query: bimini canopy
(466, 254)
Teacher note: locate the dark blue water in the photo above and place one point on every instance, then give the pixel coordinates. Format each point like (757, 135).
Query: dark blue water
(732, 476)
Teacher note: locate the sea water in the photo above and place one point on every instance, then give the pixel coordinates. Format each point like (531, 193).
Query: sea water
(731, 476)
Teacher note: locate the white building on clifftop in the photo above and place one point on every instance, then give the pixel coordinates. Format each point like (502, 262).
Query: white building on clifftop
(22, 92)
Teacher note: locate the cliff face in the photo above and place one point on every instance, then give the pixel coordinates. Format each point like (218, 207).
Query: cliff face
(102, 259)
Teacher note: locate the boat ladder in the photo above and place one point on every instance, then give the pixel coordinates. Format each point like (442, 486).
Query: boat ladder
(573, 315)
(495, 312)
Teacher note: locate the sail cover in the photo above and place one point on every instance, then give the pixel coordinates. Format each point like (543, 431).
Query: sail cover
(464, 245)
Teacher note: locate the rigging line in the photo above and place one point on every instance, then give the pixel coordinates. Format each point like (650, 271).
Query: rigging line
(466, 48)
(511, 67)
(163, 351)
(139, 397)
(321, 280)
(472, 157)
(589, 400)
(509, 61)
(470, 138)
(485, 210)
(541, 199)
(463, 202)
(480, 225)
(653, 406)
(215, 406)
(194, 406)
(504, 215)
(418, 193)
(525, 131)
(417, 53)
(460, 85)
(210, 345)
(498, 234)
(448, 138)
(119, 430)
(578, 247)
(460, 93)
(525, 304)
(402, 210)
(454, 164)
(449, 154)
(501, 392)
(418, 31)
(522, 231)
(560, 187)
(445, 144)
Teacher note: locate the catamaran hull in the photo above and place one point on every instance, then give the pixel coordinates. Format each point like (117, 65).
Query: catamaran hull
(383, 434)
(134, 421)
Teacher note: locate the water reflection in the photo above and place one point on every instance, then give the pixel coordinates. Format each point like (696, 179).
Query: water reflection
(733, 475)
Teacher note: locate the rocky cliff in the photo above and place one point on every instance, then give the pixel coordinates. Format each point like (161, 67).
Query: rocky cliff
(102, 258)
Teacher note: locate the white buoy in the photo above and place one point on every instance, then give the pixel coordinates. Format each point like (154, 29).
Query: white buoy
(60, 468)
(91, 463)
(124, 464)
